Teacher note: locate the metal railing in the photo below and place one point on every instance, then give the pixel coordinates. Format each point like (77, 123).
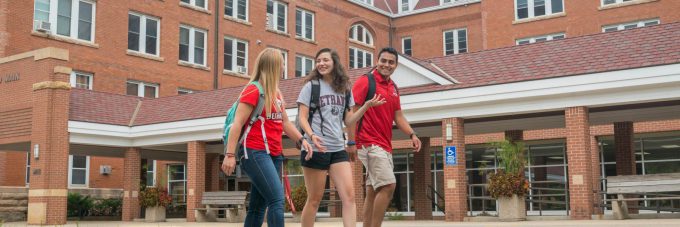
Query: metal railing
(436, 202)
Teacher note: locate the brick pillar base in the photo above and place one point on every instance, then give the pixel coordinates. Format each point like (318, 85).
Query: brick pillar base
(455, 180)
(195, 177)
(359, 188)
(423, 180)
(49, 134)
(131, 179)
(596, 174)
(625, 155)
(212, 173)
(580, 164)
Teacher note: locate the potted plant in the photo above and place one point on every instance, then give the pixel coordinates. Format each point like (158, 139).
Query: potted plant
(155, 200)
(508, 186)
(299, 197)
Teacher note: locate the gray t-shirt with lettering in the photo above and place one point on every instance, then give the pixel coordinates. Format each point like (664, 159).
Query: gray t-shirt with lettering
(332, 105)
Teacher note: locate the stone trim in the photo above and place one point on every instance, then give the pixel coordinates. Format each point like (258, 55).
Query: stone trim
(39, 54)
(51, 85)
(63, 70)
(47, 192)
(545, 17)
(624, 4)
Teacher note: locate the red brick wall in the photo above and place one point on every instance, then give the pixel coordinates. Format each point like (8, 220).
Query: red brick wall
(195, 177)
(132, 166)
(12, 174)
(580, 164)
(423, 179)
(112, 180)
(455, 179)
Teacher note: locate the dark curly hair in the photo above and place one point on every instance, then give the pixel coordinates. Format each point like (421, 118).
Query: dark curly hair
(340, 79)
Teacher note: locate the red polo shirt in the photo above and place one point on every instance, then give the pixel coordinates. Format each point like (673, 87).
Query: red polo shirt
(377, 124)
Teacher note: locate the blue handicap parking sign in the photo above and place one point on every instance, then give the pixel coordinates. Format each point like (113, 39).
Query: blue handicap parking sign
(451, 159)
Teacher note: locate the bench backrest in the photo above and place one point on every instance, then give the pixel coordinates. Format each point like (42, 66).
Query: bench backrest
(666, 182)
(224, 198)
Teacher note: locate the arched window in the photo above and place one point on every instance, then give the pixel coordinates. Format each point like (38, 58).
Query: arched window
(360, 34)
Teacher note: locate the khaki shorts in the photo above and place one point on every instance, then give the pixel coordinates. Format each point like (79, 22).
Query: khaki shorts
(379, 166)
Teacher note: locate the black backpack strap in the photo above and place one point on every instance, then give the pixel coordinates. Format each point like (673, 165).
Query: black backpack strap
(314, 103)
(369, 95)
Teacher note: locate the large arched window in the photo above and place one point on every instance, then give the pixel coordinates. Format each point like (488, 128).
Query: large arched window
(360, 34)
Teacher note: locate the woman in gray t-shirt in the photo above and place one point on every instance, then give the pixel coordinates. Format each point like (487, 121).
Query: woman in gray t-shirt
(329, 111)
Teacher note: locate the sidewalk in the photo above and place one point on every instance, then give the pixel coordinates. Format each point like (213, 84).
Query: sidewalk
(598, 223)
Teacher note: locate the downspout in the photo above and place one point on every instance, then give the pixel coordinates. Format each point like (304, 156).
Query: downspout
(391, 32)
(215, 44)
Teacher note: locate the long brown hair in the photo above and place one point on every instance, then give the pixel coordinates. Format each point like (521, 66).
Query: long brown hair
(268, 71)
(340, 82)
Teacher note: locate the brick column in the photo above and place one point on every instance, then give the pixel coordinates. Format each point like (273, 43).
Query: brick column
(132, 164)
(334, 210)
(212, 173)
(49, 172)
(625, 154)
(422, 181)
(359, 187)
(596, 173)
(514, 135)
(195, 177)
(579, 161)
(455, 180)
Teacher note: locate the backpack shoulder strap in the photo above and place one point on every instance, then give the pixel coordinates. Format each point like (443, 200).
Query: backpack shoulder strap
(260, 103)
(371, 86)
(315, 103)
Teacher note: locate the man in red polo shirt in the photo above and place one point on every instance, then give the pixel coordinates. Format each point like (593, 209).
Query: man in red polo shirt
(374, 136)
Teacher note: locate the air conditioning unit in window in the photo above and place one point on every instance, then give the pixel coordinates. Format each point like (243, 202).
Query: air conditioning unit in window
(105, 170)
(41, 26)
(241, 69)
(270, 21)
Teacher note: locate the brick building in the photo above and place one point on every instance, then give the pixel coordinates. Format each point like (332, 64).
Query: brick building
(471, 79)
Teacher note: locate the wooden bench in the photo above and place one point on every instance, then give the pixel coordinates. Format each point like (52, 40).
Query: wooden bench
(640, 184)
(233, 203)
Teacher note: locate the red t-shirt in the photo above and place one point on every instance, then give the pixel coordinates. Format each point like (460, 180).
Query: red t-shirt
(273, 124)
(376, 127)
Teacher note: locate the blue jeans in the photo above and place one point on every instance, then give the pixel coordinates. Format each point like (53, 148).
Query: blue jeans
(266, 191)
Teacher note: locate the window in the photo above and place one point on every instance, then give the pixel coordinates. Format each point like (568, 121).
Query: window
(28, 167)
(359, 58)
(624, 26)
(192, 45)
(81, 80)
(276, 15)
(142, 89)
(405, 5)
(177, 183)
(182, 91)
(303, 65)
(150, 173)
(539, 39)
(78, 167)
(448, 1)
(69, 18)
(455, 41)
(235, 55)
(370, 2)
(143, 33)
(609, 2)
(237, 9)
(304, 24)
(285, 63)
(198, 3)
(360, 34)
(535, 8)
(406, 45)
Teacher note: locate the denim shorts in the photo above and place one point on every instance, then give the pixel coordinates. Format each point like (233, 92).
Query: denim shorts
(323, 160)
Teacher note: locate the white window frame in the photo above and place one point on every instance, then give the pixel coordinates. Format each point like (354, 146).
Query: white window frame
(366, 34)
(547, 37)
(234, 54)
(446, 2)
(193, 4)
(70, 172)
(456, 47)
(28, 168)
(303, 23)
(639, 24)
(192, 37)
(142, 33)
(403, 45)
(141, 86)
(530, 9)
(365, 53)
(275, 15)
(369, 2)
(410, 4)
(285, 63)
(75, 14)
(615, 2)
(304, 60)
(155, 167)
(184, 181)
(234, 7)
(74, 78)
(186, 92)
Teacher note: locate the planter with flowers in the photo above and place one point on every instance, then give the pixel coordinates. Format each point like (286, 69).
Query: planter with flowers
(155, 200)
(508, 186)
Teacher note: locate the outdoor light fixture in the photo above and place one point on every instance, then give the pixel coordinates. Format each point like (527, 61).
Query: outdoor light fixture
(36, 151)
(449, 132)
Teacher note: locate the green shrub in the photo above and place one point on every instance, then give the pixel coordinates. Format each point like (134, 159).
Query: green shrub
(107, 207)
(78, 205)
(151, 197)
(509, 180)
(299, 197)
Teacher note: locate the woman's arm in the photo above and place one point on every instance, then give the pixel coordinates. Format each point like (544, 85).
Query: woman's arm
(294, 134)
(304, 124)
(243, 111)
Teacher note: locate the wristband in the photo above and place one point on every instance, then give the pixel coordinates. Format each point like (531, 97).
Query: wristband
(230, 155)
(412, 134)
(351, 143)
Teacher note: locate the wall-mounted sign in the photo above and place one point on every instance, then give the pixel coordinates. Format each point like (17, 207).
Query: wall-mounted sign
(11, 77)
(451, 157)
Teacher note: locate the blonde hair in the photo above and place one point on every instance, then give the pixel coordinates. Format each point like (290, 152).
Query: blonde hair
(268, 72)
